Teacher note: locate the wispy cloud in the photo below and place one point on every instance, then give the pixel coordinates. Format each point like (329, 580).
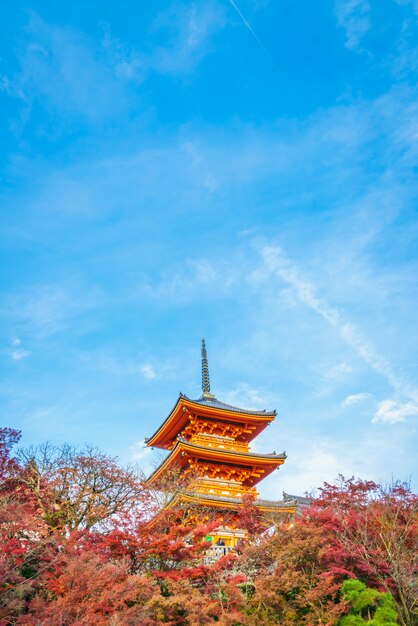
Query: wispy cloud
(188, 29)
(354, 17)
(391, 412)
(140, 451)
(46, 309)
(340, 371)
(356, 398)
(306, 471)
(64, 71)
(191, 276)
(61, 68)
(244, 395)
(18, 355)
(17, 352)
(277, 263)
(148, 371)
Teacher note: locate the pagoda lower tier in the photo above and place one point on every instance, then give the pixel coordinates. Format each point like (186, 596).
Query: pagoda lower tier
(227, 503)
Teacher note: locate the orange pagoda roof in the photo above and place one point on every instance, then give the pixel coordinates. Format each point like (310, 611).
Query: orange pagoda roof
(207, 407)
(255, 466)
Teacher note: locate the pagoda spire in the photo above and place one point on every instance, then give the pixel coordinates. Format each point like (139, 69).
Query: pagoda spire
(205, 374)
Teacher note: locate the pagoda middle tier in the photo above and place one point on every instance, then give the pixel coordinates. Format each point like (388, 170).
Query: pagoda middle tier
(217, 468)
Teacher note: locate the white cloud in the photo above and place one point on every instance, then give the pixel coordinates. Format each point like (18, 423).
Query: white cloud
(340, 371)
(43, 310)
(245, 396)
(189, 29)
(146, 458)
(353, 17)
(147, 371)
(321, 460)
(356, 398)
(140, 451)
(306, 471)
(19, 355)
(391, 412)
(61, 68)
(191, 276)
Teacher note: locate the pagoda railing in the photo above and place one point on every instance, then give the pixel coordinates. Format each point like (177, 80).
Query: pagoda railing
(216, 552)
(219, 442)
(222, 488)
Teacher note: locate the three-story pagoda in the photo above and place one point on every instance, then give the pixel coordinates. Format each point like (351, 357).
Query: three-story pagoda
(209, 447)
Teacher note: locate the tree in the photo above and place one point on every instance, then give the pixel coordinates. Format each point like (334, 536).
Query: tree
(375, 530)
(83, 541)
(78, 488)
(367, 606)
(290, 581)
(23, 535)
(83, 588)
(9, 437)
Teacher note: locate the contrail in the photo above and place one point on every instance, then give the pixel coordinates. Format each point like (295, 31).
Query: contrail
(277, 262)
(254, 34)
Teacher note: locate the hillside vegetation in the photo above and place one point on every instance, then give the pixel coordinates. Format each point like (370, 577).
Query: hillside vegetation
(77, 549)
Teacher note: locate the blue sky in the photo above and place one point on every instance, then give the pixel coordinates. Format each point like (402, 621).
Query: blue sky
(244, 171)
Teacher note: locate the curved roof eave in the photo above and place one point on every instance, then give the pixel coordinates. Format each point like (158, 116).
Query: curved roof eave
(209, 403)
(183, 443)
(217, 404)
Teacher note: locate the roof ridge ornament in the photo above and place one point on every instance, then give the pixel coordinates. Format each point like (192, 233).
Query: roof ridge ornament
(205, 375)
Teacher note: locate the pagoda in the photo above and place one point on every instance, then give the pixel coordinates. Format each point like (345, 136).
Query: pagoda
(209, 451)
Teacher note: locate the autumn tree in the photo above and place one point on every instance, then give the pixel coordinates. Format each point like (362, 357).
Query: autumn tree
(84, 541)
(78, 488)
(23, 535)
(288, 581)
(375, 530)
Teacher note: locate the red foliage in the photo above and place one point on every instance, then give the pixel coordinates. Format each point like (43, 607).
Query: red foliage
(81, 543)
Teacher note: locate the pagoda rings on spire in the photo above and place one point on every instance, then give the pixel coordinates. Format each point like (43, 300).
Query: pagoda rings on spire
(205, 374)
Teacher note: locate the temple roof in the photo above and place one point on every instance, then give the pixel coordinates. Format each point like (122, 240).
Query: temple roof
(166, 434)
(279, 504)
(214, 402)
(302, 500)
(178, 455)
(288, 506)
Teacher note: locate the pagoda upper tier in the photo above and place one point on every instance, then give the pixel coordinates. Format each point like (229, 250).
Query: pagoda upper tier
(199, 420)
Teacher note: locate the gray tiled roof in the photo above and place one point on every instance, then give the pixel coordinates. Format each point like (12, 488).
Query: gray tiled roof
(287, 497)
(279, 504)
(226, 407)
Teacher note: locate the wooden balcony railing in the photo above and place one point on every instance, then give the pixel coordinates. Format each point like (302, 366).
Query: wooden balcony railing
(215, 552)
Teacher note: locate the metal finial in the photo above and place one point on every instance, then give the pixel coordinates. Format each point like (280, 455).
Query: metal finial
(205, 370)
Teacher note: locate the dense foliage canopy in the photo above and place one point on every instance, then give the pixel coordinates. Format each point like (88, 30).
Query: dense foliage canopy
(78, 547)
